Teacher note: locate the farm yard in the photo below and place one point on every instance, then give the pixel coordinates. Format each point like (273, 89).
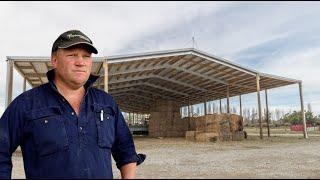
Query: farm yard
(274, 157)
(205, 92)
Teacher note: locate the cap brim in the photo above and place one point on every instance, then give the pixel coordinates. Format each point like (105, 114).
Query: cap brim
(91, 47)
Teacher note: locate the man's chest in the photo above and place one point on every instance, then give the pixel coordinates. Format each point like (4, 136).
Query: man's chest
(56, 127)
(75, 102)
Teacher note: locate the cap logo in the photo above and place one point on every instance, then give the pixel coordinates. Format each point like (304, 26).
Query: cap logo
(71, 36)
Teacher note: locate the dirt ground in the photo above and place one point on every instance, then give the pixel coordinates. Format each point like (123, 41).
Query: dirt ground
(275, 157)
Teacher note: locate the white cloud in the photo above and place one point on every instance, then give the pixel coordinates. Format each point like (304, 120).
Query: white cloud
(221, 28)
(303, 65)
(29, 28)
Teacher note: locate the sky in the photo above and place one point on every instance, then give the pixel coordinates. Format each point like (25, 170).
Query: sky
(280, 38)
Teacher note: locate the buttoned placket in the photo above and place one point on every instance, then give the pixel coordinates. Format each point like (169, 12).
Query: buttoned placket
(78, 119)
(81, 127)
(81, 130)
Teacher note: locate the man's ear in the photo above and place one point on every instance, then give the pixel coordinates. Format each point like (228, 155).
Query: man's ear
(54, 60)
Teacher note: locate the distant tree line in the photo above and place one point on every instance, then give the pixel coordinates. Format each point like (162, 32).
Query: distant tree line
(280, 117)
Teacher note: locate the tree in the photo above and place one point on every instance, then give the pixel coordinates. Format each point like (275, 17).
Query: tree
(269, 117)
(310, 118)
(292, 118)
(277, 114)
(295, 118)
(246, 115)
(309, 107)
(253, 115)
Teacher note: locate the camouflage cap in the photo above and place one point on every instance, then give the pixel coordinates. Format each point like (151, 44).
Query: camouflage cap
(71, 38)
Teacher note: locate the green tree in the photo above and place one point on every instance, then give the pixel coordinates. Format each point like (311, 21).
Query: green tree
(295, 118)
(310, 118)
(292, 118)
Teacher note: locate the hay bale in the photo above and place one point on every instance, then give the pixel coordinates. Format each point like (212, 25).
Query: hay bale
(175, 134)
(236, 122)
(215, 127)
(224, 133)
(191, 135)
(238, 136)
(192, 124)
(206, 137)
(200, 123)
(212, 127)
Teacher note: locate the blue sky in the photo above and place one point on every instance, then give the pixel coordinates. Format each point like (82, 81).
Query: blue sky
(280, 38)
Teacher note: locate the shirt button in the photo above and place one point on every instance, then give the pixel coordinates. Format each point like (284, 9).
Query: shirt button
(72, 113)
(63, 100)
(80, 128)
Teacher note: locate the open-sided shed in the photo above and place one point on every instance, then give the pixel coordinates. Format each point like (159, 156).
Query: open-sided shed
(187, 76)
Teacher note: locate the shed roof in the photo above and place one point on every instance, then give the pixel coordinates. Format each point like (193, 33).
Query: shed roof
(136, 81)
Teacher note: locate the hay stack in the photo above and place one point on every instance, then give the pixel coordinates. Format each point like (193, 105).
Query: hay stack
(215, 127)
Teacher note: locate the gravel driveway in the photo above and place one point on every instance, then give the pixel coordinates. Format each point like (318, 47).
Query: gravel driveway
(275, 157)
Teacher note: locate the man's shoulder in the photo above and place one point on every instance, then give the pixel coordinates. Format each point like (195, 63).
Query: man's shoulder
(34, 92)
(26, 98)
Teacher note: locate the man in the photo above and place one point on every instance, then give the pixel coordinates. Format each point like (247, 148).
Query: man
(66, 128)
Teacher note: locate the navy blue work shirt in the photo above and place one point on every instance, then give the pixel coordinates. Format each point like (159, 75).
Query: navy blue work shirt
(57, 143)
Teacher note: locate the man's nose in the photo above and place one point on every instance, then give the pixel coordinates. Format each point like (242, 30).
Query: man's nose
(80, 61)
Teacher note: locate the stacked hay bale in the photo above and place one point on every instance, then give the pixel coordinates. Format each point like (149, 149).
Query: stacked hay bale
(165, 120)
(225, 127)
(204, 128)
(237, 127)
(190, 133)
(215, 127)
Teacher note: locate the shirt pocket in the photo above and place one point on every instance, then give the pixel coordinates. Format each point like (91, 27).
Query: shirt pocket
(105, 123)
(48, 128)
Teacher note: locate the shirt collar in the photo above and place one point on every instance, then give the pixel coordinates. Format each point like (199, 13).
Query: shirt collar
(90, 81)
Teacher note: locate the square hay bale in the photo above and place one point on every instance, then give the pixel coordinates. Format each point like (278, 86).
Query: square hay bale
(224, 116)
(224, 133)
(175, 133)
(192, 124)
(236, 123)
(212, 127)
(153, 134)
(206, 137)
(191, 135)
(200, 124)
(213, 118)
(238, 136)
(179, 128)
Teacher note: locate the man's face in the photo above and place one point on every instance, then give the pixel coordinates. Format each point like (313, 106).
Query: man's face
(73, 66)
